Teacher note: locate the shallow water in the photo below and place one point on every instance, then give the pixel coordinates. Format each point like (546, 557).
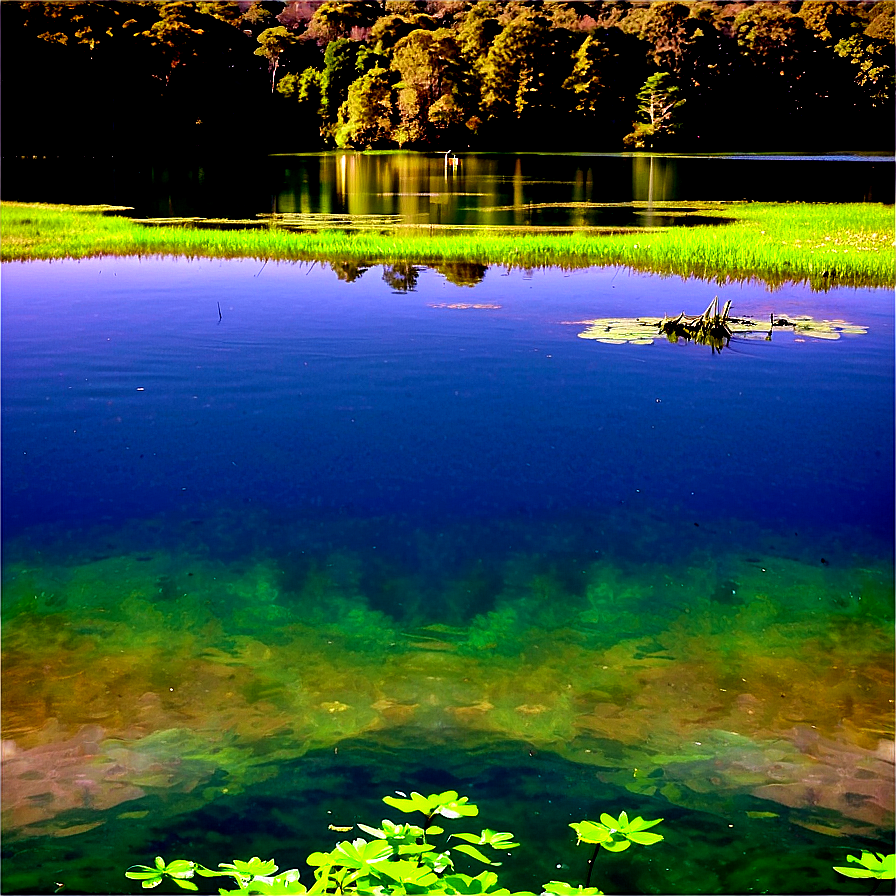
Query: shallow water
(276, 544)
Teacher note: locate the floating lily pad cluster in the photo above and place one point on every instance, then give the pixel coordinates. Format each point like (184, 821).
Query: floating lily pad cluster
(710, 328)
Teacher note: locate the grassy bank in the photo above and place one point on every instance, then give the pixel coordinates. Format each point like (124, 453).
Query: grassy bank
(824, 245)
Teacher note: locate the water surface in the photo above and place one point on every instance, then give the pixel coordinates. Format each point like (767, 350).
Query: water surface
(553, 190)
(280, 539)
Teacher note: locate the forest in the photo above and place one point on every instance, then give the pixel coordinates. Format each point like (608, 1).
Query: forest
(132, 76)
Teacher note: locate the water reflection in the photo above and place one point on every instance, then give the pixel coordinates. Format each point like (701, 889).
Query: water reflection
(540, 190)
(653, 180)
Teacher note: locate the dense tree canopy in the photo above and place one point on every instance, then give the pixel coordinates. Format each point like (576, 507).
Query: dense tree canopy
(269, 75)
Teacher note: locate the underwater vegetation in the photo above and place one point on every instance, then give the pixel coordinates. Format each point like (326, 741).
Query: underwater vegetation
(694, 682)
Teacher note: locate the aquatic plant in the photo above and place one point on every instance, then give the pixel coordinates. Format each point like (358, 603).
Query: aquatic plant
(402, 858)
(823, 245)
(712, 328)
(614, 834)
(873, 864)
(179, 872)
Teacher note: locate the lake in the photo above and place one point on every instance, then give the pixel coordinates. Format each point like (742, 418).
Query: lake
(276, 544)
(500, 190)
(281, 539)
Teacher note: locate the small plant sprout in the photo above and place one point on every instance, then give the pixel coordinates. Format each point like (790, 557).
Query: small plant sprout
(614, 834)
(180, 871)
(254, 876)
(874, 864)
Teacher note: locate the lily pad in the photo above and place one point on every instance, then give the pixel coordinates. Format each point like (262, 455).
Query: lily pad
(618, 331)
(823, 329)
(644, 330)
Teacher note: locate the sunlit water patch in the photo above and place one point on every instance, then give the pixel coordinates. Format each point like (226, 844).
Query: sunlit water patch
(280, 539)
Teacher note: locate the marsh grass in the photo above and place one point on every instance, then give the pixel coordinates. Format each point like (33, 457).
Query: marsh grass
(823, 245)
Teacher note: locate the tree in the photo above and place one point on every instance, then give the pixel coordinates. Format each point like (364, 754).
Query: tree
(478, 30)
(775, 50)
(606, 75)
(872, 65)
(659, 103)
(260, 15)
(176, 36)
(366, 118)
(390, 29)
(274, 43)
(407, 8)
(429, 65)
(462, 273)
(84, 24)
(523, 73)
(225, 10)
(341, 18)
(668, 32)
(770, 35)
(340, 70)
(831, 20)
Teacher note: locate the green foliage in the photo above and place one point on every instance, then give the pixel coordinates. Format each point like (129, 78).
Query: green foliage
(365, 119)
(874, 864)
(179, 871)
(401, 858)
(525, 71)
(340, 73)
(659, 105)
(516, 68)
(431, 86)
(335, 19)
(778, 243)
(274, 42)
(872, 65)
(561, 888)
(616, 834)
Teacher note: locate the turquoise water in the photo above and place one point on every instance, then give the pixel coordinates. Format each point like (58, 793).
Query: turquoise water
(276, 544)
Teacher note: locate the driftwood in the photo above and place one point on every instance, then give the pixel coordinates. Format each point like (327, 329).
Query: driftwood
(710, 328)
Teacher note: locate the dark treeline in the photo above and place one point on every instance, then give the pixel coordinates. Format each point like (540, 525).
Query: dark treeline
(126, 75)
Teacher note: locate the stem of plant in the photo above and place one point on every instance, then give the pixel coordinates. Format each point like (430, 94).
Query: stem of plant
(591, 865)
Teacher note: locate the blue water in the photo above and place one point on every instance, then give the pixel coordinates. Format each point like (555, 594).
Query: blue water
(190, 448)
(125, 394)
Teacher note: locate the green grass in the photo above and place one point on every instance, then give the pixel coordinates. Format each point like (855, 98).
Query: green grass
(823, 245)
